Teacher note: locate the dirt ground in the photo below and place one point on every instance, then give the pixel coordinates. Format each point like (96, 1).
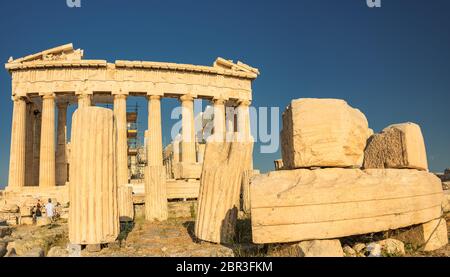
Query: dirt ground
(173, 238)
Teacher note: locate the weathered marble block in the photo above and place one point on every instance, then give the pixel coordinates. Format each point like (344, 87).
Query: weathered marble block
(125, 202)
(397, 146)
(93, 214)
(323, 133)
(155, 194)
(297, 205)
(220, 186)
(429, 236)
(187, 170)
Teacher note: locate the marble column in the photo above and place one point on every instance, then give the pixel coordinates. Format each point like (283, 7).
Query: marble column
(219, 119)
(120, 113)
(155, 185)
(244, 136)
(16, 178)
(47, 155)
(155, 149)
(230, 119)
(176, 149)
(61, 159)
(93, 195)
(84, 100)
(37, 145)
(188, 154)
(29, 147)
(243, 121)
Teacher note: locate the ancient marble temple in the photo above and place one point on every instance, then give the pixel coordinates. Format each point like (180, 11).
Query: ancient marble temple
(45, 84)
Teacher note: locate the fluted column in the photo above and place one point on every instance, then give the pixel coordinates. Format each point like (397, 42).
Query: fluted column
(16, 178)
(155, 185)
(244, 135)
(188, 154)
(93, 211)
(155, 131)
(61, 159)
(230, 119)
(219, 119)
(120, 113)
(176, 149)
(218, 201)
(29, 145)
(125, 203)
(47, 158)
(84, 100)
(243, 121)
(37, 146)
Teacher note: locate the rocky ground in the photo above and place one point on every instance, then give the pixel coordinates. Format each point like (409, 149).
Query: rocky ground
(174, 238)
(33, 241)
(362, 245)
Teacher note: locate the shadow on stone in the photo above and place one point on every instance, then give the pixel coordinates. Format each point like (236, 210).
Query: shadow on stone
(190, 228)
(125, 229)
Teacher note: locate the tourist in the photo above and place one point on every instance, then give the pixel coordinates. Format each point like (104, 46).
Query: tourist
(38, 211)
(49, 208)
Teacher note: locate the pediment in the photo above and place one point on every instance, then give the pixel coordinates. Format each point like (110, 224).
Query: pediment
(230, 65)
(61, 53)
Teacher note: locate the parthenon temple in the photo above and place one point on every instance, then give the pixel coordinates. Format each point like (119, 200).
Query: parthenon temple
(45, 84)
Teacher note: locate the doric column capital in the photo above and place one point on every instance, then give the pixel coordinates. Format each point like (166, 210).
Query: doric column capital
(154, 97)
(120, 96)
(219, 101)
(49, 96)
(82, 96)
(244, 102)
(62, 104)
(187, 97)
(16, 98)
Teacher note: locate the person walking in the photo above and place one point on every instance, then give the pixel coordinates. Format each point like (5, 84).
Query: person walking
(50, 209)
(38, 212)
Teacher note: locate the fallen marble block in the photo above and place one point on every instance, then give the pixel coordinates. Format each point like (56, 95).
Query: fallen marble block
(397, 146)
(323, 133)
(297, 205)
(429, 236)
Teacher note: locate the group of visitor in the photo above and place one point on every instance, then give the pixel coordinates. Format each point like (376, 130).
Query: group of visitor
(49, 209)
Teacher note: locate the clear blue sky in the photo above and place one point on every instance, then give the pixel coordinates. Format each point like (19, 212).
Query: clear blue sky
(393, 63)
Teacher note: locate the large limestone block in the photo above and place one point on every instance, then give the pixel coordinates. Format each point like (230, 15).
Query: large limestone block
(446, 201)
(155, 194)
(182, 189)
(43, 220)
(312, 248)
(429, 236)
(397, 146)
(323, 133)
(187, 170)
(303, 204)
(125, 202)
(26, 220)
(9, 208)
(220, 186)
(93, 213)
(25, 211)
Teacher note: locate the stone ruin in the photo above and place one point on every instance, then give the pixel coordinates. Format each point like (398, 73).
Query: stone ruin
(220, 187)
(94, 213)
(335, 179)
(338, 179)
(43, 164)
